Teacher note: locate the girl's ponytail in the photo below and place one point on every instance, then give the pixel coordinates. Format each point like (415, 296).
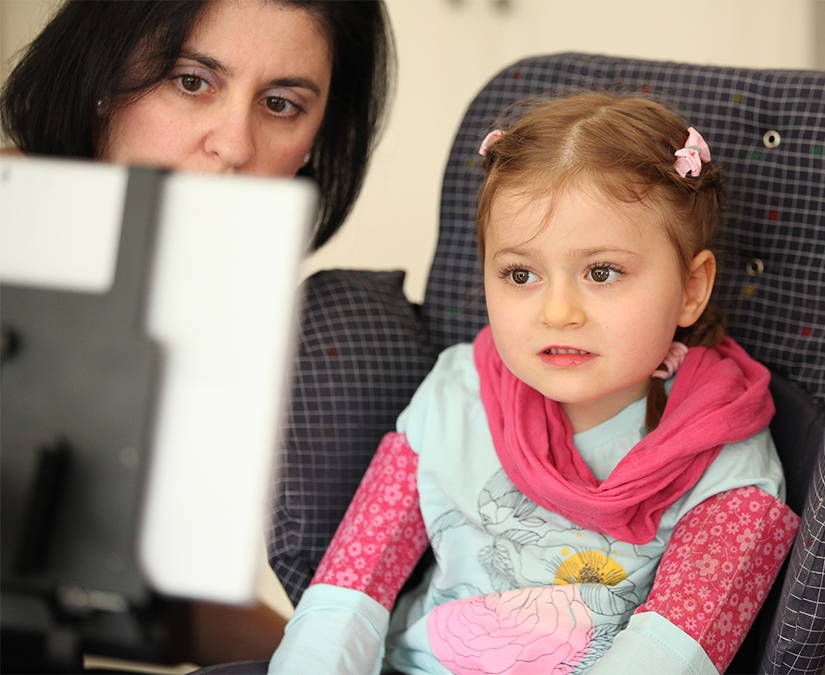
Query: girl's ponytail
(656, 401)
(708, 331)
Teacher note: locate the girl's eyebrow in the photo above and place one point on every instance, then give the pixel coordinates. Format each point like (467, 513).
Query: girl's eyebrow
(573, 253)
(512, 251)
(214, 64)
(589, 252)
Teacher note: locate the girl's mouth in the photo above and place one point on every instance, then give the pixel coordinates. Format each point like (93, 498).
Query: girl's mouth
(566, 357)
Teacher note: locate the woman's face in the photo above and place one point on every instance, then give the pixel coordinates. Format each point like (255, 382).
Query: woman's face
(247, 94)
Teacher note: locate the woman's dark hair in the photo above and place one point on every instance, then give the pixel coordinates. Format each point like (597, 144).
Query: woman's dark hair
(88, 51)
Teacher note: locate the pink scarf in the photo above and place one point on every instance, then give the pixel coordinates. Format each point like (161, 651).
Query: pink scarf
(720, 395)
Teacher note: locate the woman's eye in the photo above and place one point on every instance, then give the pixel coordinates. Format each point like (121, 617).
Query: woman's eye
(603, 274)
(521, 276)
(281, 107)
(191, 84)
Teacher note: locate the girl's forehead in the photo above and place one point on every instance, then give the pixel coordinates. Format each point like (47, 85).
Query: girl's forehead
(577, 216)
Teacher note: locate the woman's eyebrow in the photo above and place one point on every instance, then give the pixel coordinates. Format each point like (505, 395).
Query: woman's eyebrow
(214, 64)
(302, 82)
(205, 60)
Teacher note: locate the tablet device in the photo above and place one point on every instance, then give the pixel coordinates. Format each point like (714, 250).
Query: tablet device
(148, 324)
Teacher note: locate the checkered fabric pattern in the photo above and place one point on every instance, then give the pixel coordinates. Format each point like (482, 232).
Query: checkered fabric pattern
(362, 351)
(796, 636)
(364, 348)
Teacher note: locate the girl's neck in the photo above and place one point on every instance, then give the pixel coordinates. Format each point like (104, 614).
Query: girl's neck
(588, 414)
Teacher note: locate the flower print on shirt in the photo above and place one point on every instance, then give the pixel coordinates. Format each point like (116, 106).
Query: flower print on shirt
(524, 550)
(520, 631)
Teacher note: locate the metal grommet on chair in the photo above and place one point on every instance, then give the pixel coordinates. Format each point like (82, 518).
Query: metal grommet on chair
(755, 267)
(771, 139)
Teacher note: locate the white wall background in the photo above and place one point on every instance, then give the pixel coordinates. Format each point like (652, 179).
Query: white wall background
(447, 49)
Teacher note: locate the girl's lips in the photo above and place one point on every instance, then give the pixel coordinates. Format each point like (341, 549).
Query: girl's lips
(566, 357)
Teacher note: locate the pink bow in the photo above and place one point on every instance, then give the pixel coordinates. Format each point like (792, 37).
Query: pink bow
(489, 139)
(690, 157)
(674, 358)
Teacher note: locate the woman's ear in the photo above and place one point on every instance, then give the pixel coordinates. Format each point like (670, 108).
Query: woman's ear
(698, 287)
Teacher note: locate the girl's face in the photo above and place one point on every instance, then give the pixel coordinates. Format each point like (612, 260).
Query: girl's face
(248, 94)
(584, 304)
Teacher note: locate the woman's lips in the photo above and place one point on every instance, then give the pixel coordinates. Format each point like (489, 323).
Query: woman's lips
(565, 357)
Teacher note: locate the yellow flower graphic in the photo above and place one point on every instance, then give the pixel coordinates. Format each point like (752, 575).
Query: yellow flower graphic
(590, 567)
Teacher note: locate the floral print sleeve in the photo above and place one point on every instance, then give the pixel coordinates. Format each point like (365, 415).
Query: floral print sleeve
(721, 561)
(375, 549)
(382, 535)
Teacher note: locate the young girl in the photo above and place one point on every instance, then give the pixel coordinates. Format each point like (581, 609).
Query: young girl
(594, 473)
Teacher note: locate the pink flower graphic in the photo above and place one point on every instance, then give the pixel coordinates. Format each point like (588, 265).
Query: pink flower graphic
(346, 578)
(529, 630)
(744, 539)
(707, 565)
(746, 610)
(726, 623)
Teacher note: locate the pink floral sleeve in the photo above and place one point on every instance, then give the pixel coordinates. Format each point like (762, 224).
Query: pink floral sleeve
(720, 564)
(382, 535)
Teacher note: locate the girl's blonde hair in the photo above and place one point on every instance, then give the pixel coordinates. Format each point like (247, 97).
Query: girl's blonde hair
(624, 147)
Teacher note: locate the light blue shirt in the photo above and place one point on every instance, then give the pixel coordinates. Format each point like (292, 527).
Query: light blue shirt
(490, 539)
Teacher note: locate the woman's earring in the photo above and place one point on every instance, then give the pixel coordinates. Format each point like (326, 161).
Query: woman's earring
(100, 106)
(307, 157)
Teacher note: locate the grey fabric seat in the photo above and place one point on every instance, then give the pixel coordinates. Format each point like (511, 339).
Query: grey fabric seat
(364, 347)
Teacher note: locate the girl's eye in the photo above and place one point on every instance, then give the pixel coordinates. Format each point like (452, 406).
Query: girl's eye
(191, 84)
(604, 274)
(281, 107)
(520, 276)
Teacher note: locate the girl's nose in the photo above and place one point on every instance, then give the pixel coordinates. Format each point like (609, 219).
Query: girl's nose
(561, 307)
(229, 138)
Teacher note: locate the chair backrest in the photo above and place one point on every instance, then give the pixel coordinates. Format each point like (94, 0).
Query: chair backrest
(789, 634)
(363, 348)
(767, 131)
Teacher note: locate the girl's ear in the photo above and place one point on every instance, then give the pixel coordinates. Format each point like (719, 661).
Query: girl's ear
(698, 287)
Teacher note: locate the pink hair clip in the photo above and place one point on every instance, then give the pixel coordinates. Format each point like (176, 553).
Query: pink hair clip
(489, 139)
(689, 159)
(674, 358)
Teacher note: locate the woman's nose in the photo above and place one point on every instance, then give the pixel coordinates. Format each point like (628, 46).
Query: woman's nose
(562, 307)
(229, 138)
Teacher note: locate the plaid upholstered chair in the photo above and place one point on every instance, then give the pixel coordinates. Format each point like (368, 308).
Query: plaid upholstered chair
(364, 348)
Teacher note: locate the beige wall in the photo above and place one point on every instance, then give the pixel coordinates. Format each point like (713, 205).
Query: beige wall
(447, 49)
(19, 20)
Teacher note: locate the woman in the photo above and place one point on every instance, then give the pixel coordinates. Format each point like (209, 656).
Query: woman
(192, 84)
(267, 87)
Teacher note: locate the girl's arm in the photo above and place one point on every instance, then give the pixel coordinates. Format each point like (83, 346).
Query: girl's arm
(340, 623)
(721, 561)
